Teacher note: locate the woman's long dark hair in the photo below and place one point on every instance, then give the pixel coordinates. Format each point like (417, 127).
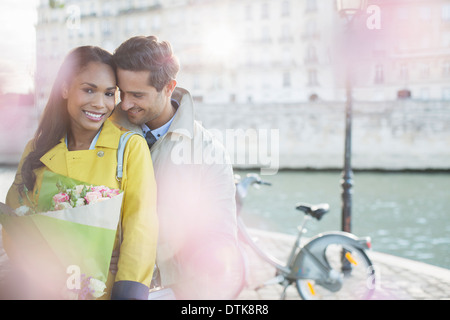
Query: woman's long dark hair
(54, 121)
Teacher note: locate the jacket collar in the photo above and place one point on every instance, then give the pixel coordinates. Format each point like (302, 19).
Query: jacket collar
(55, 158)
(183, 122)
(109, 137)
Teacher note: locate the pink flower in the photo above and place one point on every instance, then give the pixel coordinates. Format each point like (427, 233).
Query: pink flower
(101, 189)
(60, 197)
(93, 197)
(112, 193)
(105, 191)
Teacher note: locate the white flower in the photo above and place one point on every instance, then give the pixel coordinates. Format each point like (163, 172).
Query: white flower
(22, 210)
(78, 189)
(80, 202)
(97, 287)
(62, 206)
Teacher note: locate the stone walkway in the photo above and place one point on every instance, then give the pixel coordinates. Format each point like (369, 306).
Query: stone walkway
(398, 278)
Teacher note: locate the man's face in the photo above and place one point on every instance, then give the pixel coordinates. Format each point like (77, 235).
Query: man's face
(140, 100)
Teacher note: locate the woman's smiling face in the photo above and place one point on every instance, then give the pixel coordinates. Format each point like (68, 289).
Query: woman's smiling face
(90, 97)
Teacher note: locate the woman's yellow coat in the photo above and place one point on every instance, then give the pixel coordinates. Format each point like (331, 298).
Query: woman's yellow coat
(98, 167)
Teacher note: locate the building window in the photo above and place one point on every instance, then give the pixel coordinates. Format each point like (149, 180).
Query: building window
(196, 85)
(446, 94)
(446, 39)
(285, 8)
(424, 70)
(425, 94)
(264, 10)
(143, 25)
(311, 5)
(286, 80)
(91, 29)
(404, 71)
(425, 42)
(312, 77)
(106, 28)
(445, 12)
(248, 12)
(71, 33)
(311, 54)
(379, 74)
(106, 10)
(156, 23)
(81, 31)
(265, 34)
(249, 35)
(142, 3)
(446, 69)
(311, 29)
(402, 13)
(286, 58)
(425, 13)
(286, 33)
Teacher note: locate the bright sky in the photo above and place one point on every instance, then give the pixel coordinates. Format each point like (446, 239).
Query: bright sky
(17, 45)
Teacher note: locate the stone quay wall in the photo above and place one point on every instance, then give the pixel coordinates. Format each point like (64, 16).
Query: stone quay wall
(396, 135)
(17, 126)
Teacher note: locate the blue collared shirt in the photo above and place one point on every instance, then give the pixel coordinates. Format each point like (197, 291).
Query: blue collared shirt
(159, 132)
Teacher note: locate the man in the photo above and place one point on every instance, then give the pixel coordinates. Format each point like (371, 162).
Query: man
(197, 256)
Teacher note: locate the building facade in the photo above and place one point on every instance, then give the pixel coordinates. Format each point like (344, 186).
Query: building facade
(261, 51)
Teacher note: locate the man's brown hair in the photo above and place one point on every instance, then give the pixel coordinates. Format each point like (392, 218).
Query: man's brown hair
(148, 54)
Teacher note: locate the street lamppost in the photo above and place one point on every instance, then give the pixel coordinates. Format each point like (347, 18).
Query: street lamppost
(348, 9)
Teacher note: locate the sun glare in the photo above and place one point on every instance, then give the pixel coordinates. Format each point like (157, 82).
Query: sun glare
(17, 48)
(219, 43)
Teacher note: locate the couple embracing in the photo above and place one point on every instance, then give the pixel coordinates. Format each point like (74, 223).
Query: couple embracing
(177, 228)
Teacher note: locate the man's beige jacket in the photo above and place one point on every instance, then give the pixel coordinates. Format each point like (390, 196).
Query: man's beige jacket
(195, 204)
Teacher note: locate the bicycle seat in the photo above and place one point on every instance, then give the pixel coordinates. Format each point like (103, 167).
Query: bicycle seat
(316, 211)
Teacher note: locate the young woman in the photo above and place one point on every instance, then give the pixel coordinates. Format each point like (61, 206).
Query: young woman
(75, 139)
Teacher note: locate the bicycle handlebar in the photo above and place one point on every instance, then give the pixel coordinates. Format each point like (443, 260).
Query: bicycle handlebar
(243, 185)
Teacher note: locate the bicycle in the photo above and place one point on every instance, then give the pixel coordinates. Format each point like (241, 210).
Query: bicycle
(331, 265)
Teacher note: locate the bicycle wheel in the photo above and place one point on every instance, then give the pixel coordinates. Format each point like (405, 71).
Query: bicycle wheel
(334, 267)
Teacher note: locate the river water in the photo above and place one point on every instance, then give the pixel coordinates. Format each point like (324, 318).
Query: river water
(405, 214)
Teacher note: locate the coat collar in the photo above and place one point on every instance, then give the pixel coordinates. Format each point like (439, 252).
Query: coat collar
(183, 123)
(55, 158)
(109, 137)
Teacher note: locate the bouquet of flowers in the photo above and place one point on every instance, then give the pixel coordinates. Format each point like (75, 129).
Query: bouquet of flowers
(69, 234)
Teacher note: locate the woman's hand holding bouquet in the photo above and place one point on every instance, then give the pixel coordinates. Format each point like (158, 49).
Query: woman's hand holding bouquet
(68, 235)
